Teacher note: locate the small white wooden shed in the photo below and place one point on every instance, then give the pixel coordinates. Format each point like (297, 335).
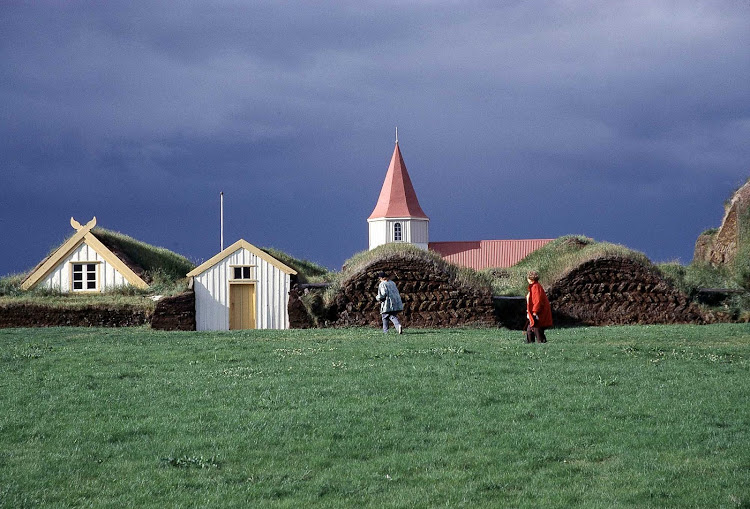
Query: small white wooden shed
(242, 287)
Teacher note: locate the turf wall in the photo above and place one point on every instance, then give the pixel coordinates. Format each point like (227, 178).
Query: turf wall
(432, 297)
(31, 315)
(616, 291)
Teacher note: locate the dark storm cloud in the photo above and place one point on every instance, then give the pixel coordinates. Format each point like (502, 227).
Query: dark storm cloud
(629, 120)
(277, 35)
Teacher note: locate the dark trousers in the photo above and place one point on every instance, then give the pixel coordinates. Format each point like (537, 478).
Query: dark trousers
(535, 332)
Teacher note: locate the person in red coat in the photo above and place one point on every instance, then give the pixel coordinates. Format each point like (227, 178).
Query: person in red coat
(538, 311)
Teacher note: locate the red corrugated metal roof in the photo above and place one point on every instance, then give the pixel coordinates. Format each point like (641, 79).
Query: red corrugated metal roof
(397, 196)
(482, 254)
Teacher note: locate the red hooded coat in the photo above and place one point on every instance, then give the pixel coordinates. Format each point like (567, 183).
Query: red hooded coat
(537, 304)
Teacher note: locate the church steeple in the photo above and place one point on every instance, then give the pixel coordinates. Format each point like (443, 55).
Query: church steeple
(397, 216)
(397, 196)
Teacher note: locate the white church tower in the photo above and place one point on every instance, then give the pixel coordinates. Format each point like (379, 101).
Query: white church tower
(397, 216)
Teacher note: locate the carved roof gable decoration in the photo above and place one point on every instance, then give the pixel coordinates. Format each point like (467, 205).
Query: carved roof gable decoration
(77, 226)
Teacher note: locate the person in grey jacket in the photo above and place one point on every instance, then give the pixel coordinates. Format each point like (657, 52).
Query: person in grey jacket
(390, 302)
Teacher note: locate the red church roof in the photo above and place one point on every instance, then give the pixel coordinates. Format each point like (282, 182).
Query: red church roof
(397, 197)
(483, 254)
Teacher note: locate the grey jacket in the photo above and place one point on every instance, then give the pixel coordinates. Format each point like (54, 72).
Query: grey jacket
(389, 298)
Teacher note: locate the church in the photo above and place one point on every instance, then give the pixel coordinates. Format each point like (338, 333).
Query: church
(398, 217)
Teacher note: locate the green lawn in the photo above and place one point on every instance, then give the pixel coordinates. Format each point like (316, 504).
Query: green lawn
(651, 416)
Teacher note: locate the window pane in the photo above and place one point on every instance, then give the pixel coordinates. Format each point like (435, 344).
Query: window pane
(78, 285)
(238, 273)
(77, 267)
(246, 272)
(77, 276)
(91, 266)
(91, 285)
(91, 276)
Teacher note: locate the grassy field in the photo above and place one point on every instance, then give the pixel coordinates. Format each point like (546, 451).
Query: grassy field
(652, 416)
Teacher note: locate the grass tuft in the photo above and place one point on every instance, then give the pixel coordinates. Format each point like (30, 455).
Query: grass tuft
(106, 300)
(11, 284)
(191, 462)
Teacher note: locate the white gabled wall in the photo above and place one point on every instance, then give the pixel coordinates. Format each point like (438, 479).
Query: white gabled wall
(59, 278)
(212, 293)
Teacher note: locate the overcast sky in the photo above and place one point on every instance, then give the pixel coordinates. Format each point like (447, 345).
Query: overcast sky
(625, 121)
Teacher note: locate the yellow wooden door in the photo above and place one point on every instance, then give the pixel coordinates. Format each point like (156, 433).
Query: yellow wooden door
(241, 306)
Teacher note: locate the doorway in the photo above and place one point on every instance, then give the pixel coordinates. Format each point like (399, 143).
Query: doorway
(241, 306)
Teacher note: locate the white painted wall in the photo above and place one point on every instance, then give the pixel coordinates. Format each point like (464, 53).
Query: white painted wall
(212, 293)
(378, 229)
(413, 231)
(59, 278)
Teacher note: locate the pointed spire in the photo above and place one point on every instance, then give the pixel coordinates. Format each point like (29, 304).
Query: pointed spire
(397, 196)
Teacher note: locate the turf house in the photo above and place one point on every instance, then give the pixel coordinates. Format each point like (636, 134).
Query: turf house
(90, 261)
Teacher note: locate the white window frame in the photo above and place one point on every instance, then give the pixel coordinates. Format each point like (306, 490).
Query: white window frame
(246, 272)
(398, 232)
(88, 269)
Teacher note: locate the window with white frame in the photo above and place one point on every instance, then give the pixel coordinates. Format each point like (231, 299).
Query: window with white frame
(397, 237)
(243, 272)
(85, 277)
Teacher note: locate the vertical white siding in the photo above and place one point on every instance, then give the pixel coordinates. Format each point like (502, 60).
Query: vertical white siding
(413, 231)
(271, 293)
(59, 278)
(378, 231)
(419, 231)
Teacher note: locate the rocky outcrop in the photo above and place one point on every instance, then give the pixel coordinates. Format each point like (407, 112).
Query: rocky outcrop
(719, 247)
(614, 291)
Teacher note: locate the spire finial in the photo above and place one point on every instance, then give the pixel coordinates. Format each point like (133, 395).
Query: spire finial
(396, 134)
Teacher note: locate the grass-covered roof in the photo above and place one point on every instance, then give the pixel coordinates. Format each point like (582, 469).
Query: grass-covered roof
(163, 269)
(148, 261)
(555, 260)
(360, 261)
(307, 271)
